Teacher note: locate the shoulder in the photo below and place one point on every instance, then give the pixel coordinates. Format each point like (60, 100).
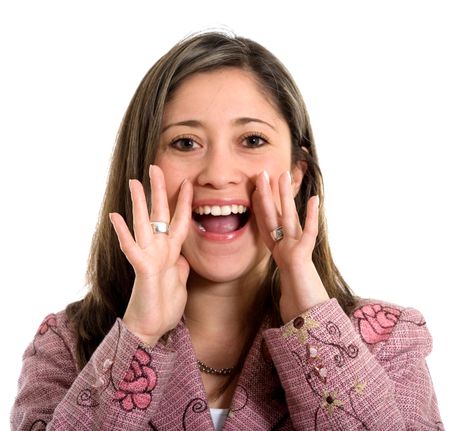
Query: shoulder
(53, 337)
(55, 322)
(385, 327)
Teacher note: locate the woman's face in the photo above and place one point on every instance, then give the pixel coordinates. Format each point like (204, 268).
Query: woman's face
(220, 131)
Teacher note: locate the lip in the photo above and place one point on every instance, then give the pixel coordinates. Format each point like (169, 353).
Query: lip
(221, 237)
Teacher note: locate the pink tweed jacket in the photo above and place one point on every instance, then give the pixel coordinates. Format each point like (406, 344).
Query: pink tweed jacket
(323, 370)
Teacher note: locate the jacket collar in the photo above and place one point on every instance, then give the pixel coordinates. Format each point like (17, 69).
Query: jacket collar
(258, 398)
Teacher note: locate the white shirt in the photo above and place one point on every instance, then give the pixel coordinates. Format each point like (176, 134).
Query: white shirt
(218, 417)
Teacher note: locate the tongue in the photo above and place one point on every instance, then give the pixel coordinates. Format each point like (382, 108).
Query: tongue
(220, 224)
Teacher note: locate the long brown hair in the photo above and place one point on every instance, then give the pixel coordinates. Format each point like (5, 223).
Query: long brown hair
(110, 277)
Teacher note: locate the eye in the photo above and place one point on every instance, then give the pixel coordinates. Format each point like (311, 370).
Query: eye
(184, 144)
(254, 140)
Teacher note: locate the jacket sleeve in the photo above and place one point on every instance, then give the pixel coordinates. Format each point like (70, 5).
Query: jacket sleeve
(118, 389)
(365, 372)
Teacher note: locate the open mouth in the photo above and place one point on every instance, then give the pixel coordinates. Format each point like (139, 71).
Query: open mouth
(221, 219)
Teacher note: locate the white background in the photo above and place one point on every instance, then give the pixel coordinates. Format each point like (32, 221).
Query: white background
(374, 75)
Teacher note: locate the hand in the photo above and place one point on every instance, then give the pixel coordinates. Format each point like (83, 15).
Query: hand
(301, 286)
(159, 293)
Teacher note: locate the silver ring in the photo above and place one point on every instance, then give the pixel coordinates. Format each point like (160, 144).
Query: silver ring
(277, 234)
(160, 227)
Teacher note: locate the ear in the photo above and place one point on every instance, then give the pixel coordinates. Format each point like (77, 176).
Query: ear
(297, 173)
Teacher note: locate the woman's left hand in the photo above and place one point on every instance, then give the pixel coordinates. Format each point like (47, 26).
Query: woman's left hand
(301, 286)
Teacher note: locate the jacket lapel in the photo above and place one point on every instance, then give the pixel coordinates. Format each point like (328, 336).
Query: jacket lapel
(183, 405)
(258, 402)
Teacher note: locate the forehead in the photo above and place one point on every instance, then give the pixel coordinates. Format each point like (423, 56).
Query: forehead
(228, 93)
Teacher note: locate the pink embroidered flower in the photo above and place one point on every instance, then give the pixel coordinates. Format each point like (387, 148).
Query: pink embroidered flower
(49, 322)
(135, 388)
(376, 322)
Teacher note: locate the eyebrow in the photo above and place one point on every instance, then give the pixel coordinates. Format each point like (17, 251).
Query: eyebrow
(238, 121)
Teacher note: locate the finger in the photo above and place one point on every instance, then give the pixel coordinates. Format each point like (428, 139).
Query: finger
(257, 211)
(181, 221)
(126, 241)
(183, 268)
(141, 223)
(265, 208)
(159, 206)
(311, 228)
(289, 216)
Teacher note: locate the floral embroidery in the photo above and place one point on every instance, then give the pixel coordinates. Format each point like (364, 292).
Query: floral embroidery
(312, 357)
(376, 322)
(49, 322)
(135, 388)
(359, 387)
(197, 405)
(86, 398)
(315, 372)
(330, 402)
(300, 328)
(351, 351)
(240, 400)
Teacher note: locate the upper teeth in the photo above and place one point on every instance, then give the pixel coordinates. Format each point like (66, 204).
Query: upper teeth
(222, 210)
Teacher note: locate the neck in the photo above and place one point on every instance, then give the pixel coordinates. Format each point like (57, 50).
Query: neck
(218, 314)
(218, 307)
(223, 308)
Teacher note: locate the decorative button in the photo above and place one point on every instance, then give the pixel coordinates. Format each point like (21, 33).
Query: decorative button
(107, 365)
(100, 382)
(329, 399)
(312, 353)
(299, 322)
(322, 373)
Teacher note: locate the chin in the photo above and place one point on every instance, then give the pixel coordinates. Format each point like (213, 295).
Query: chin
(224, 276)
(227, 269)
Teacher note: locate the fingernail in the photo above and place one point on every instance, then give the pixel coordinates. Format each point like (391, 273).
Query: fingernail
(150, 172)
(317, 201)
(289, 176)
(110, 218)
(266, 176)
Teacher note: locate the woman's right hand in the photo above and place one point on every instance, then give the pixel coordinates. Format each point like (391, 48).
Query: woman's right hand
(159, 293)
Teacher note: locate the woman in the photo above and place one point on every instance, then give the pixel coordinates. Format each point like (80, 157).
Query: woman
(222, 308)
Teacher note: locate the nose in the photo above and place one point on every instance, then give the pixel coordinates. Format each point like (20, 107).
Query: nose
(219, 169)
